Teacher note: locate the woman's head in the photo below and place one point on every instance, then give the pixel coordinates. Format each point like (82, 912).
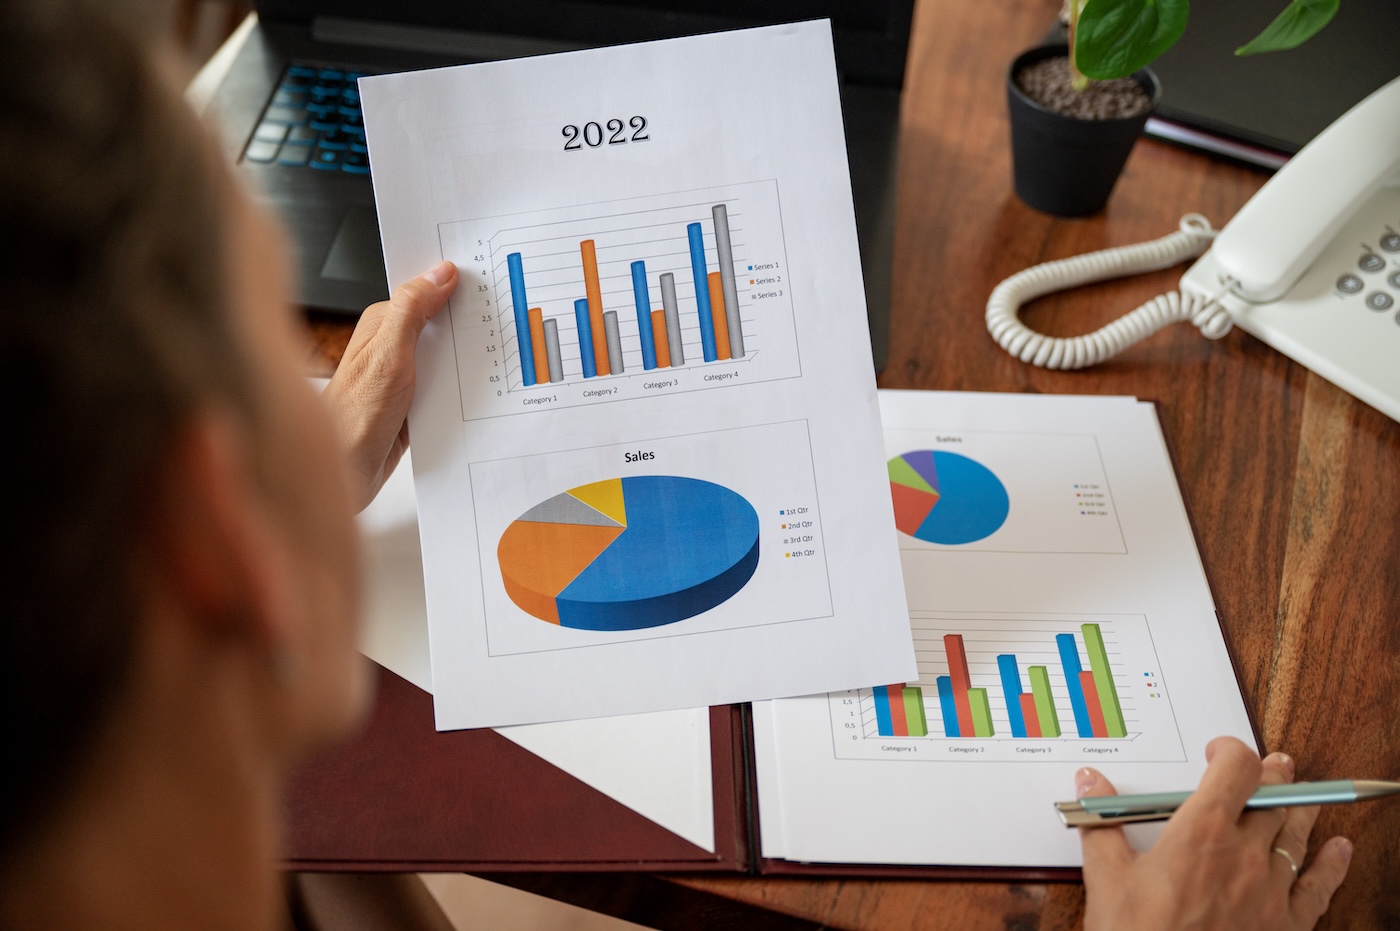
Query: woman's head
(143, 296)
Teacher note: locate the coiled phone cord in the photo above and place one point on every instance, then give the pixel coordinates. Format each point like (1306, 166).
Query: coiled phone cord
(1190, 240)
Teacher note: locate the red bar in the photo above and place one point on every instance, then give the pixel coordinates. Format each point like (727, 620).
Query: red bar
(1091, 698)
(962, 681)
(1031, 715)
(898, 719)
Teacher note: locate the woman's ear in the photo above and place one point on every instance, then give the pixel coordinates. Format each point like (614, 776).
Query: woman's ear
(214, 540)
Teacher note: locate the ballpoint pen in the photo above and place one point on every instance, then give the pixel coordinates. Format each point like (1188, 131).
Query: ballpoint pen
(1121, 809)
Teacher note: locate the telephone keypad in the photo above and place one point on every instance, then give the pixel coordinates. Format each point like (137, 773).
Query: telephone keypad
(1390, 242)
(1350, 284)
(1379, 300)
(1370, 262)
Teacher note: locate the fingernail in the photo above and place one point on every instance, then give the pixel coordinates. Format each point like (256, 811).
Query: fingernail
(1286, 762)
(441, 273)
(1345, 850)
(1084, 781)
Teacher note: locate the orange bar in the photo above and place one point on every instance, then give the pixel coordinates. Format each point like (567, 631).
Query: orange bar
(898, 719)
(658, 337)
(1091, 698)
(537, 340)
(718, 315)
(594, 291)
(962, 681)
(1031, 715)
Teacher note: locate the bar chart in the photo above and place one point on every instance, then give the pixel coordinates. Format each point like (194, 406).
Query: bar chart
(609, 301)
(1025, 687)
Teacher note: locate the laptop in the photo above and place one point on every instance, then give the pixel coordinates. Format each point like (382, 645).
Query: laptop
(289, 107)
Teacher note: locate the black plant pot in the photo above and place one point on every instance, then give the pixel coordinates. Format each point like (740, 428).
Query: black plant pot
(1065, 165)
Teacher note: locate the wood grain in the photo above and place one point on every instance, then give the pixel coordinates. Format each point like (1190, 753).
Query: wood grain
(1293, 486)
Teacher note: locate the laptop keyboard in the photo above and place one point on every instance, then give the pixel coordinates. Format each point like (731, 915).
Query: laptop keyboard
(313, 121)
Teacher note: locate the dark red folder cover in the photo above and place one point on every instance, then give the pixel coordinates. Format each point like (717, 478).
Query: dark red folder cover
(404, 797)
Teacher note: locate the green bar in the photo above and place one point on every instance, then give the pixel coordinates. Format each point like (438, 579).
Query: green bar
(981, 713)
(914, 711)
(1103, 680)
(1044, 702)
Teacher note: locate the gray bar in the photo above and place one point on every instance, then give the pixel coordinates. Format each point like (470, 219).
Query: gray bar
(614, 341)
(726, 280)
(551, 350)
(673, 318)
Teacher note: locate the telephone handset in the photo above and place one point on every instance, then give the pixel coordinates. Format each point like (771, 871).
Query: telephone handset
(1311, 266)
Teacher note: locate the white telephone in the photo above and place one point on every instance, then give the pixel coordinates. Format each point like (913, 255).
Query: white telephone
(1311, 266)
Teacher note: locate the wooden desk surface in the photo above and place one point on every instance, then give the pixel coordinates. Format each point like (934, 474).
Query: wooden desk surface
(1294, 486)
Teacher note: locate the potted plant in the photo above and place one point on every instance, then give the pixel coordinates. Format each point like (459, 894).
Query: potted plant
(1078, 108)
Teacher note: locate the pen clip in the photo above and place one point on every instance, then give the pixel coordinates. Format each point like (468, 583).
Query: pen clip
(1075, 815)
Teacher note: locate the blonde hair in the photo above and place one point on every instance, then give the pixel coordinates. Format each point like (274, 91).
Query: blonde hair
(116, 325)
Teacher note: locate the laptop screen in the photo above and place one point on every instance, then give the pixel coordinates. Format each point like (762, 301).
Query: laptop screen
(871, 36)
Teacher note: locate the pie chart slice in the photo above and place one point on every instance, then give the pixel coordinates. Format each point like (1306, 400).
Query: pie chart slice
(947, 498)
(630, 553)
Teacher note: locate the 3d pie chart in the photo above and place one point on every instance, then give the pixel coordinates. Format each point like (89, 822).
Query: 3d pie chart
(947, 498)
(630, 553)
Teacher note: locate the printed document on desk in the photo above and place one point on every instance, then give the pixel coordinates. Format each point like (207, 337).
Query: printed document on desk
(1061, 618)
(646, 440)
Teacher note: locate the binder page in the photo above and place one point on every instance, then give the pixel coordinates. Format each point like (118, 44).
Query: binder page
(645, 434)
(1061, 618)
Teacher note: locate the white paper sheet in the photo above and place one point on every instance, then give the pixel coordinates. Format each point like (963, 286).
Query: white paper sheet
(1091, 531)
(657, 764)
(548, 598)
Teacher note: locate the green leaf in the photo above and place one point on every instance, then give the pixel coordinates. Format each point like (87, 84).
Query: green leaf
(1114, 38)
(1294, 26)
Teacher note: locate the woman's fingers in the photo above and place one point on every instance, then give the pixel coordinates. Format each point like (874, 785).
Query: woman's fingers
(1263, 825)
(1312, 893)
(1106, 851)
(1231, 777)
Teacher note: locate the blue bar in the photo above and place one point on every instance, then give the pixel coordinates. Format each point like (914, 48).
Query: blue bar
(1069, 659)
(585, 339)
(1011, 686)
(639, 291)
(522, 320)
(950, 707)
(702, 292)
(883, 721)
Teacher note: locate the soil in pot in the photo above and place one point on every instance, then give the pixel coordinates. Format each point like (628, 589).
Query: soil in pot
(1048, 83)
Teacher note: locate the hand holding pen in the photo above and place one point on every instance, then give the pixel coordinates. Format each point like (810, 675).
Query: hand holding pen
(1216, 864)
